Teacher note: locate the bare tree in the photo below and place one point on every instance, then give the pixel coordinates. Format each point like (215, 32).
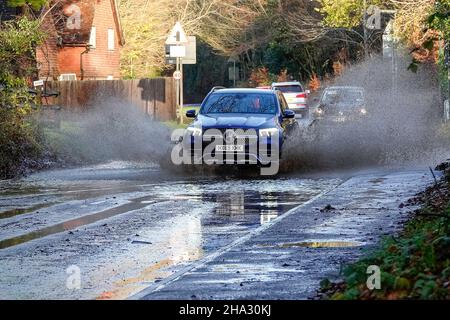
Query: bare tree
(220, 23)
(304, 20)
(410, 25)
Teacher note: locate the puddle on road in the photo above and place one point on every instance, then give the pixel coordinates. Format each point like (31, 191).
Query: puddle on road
(19, 211)
(247, 203)
(322, 244)
(127, 287)
(234, 207)
(374, 192)
(239, 209)
(251, 207)
(377, 180)
(7, 190)
(76, 223)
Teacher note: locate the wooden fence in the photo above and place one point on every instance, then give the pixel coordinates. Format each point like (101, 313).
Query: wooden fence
(156, 97)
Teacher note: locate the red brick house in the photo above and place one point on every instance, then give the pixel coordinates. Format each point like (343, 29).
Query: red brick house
(84, 43)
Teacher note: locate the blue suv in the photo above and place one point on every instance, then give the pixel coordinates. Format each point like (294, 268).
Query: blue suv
(251, 122)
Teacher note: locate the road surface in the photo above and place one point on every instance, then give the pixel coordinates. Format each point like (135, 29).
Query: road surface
(133, 231)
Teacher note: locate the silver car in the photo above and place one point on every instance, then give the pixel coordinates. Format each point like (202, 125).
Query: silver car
(295, 95)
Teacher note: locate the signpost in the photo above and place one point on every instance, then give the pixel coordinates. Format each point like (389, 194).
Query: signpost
(177, 75)
(178, 45)
(38, 83)
(177, 36)
(177, 51)
(390, 52)
(191, 52)
(176, 39)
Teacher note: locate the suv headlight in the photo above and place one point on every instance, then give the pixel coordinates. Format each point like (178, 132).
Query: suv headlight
(268, 132)
(194, 131)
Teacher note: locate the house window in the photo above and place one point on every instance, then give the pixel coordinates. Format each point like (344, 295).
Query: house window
(111, 43)
(93, 38)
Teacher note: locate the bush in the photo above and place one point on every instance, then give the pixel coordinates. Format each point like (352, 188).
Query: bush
(19, 140)
(414, 266)
(262, 77)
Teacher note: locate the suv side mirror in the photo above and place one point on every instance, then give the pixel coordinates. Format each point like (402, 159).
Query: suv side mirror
(289, 114)
(190, 113)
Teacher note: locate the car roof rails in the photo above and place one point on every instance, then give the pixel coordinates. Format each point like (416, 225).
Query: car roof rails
(217, 88)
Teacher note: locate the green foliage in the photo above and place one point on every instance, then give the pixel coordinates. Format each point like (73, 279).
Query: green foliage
(439, 19)
(211, 70)
(429, 44)
(413, 66)
(35, 4)
(345, 13)
(341, 13)
(415, 265)
(442, 74)
(18, 135)
(18, 40)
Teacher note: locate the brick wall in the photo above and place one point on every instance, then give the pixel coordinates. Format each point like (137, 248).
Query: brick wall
(98, 63)
(47, 54)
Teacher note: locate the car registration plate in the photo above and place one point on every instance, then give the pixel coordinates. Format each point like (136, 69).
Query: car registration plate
(340, 119)
(230, 148)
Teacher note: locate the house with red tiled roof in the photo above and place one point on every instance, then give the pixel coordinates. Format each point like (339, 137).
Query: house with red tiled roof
(84, 41)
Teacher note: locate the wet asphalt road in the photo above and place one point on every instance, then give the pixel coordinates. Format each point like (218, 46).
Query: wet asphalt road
(288, 257)
(128, 226)
(134, 231)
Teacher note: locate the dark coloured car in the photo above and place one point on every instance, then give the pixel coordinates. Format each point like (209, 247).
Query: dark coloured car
(341, 104)
(248, 120)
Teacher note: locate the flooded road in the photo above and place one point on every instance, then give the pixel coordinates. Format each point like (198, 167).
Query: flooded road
(124, 226)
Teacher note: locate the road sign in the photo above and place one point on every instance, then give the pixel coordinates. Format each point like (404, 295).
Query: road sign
(191, 52)
(38, 83)
(177, 75)
(177, 51)
(176, 41)
(177, 36)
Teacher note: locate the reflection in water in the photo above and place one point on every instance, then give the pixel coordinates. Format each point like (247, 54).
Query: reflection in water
(183, 241)
(75, 223)
(243, 207)
(19, 211)
(199, 218)
(251, 207)
(179, 243)
(229, 204)
(323, 244)
(268, 215)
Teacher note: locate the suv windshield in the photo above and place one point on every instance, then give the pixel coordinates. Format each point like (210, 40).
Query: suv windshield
(240, 103)
(290, 88)
(350, 96)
